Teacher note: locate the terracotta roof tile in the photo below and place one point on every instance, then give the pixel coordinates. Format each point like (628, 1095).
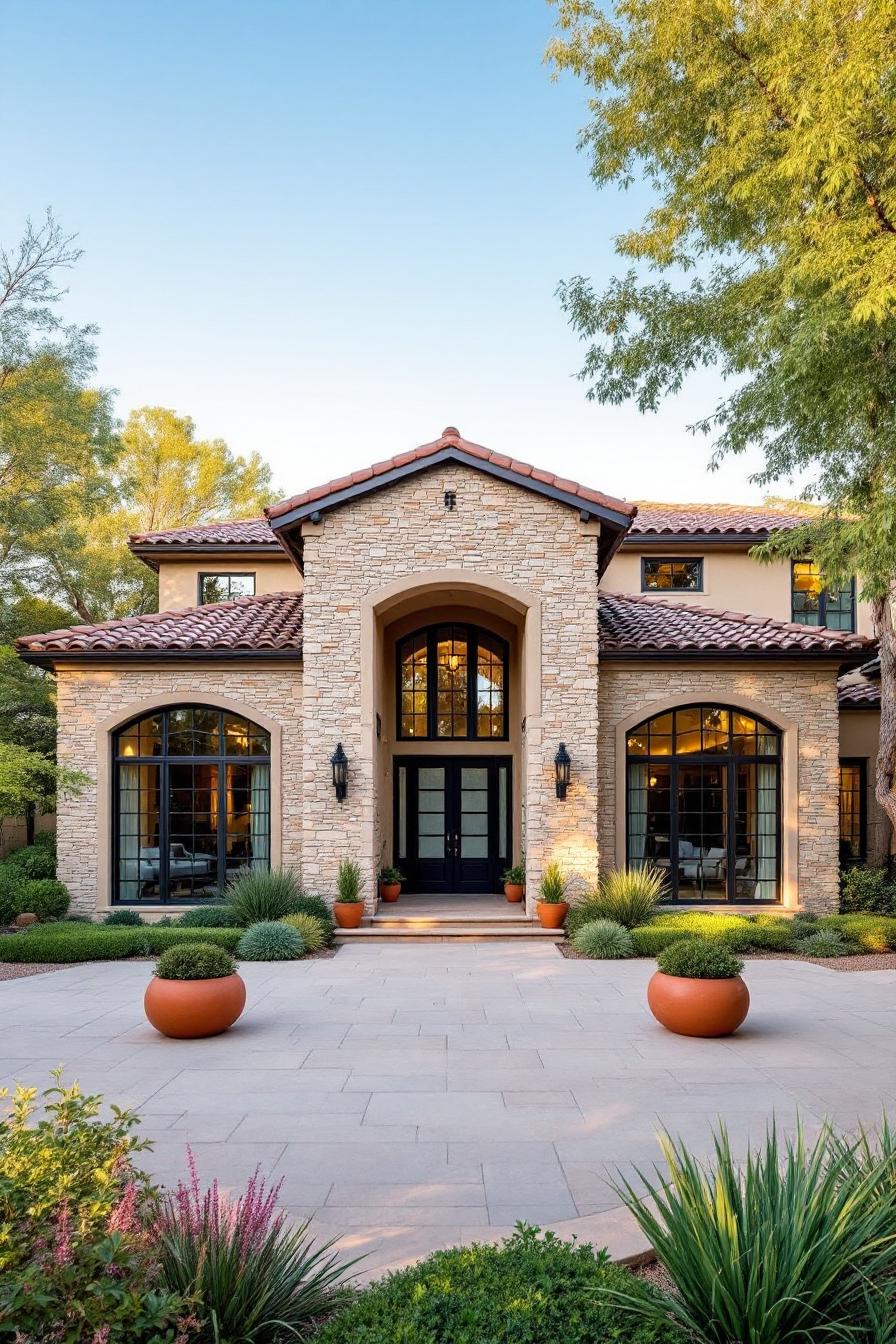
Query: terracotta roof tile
(250, 531)
(450, 438)
(858, 694)
(272, 622)
(713, 519)
(636, 624)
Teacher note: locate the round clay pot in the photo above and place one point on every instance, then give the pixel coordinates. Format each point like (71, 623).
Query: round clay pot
(552, 913)
(513, 891)
(188, 1009)
(348, 913)
(390, 891)
(698, 1007)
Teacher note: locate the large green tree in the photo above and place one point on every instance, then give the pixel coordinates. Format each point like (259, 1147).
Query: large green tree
(767, 132)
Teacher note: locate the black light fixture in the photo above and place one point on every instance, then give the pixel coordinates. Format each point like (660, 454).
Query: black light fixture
(339, 762)
(561, 767)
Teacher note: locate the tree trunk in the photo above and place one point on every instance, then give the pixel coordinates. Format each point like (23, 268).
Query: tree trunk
(882, 617)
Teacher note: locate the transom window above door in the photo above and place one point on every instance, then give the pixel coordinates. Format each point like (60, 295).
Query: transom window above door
(452, 684)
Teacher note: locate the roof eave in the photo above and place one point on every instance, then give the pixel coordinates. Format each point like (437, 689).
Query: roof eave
(50, 657)
(153, 553)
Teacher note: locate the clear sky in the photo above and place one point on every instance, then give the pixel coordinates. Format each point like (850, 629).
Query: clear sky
(327, 230)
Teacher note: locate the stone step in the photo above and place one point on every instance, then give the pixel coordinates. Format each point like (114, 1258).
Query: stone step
(442, 930)
(399, 921)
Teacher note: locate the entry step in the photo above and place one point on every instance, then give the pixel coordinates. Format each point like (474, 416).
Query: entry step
(437, 930)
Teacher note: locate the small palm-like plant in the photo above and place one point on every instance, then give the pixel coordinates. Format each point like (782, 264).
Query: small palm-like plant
(604, 940)
(348, 881)
(629, 895)
(261, 895)
(255, 1279)
(795, 1243)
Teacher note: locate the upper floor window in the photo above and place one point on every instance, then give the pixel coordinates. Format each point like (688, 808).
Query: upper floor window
(812, 604)
(224, 587)
(671, 576)
(452, 683)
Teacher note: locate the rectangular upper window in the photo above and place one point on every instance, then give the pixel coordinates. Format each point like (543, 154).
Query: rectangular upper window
(852, 810)
(224, 587)
(667, 575)
(811, 604)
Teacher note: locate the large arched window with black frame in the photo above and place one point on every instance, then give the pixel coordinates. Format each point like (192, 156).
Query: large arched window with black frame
(452, 684)
(192, 796)
(703, 801)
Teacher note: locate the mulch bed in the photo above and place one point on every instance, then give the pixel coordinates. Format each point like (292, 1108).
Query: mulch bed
(11, 970)
(865, 961)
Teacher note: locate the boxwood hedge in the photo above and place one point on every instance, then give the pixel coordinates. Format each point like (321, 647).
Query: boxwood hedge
(71, 942)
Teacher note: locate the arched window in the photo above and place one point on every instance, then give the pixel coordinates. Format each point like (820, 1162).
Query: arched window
(192, 803)
(452, 683)
(703, 800)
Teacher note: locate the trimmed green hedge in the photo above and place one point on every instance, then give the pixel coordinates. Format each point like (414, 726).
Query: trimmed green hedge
(766, 932)
(649, 940)
(873, 933)
(71, 942)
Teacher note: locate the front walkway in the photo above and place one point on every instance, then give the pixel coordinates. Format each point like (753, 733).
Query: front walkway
(418, 1095)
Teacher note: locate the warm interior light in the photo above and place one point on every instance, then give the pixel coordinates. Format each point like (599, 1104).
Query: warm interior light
(454, 662)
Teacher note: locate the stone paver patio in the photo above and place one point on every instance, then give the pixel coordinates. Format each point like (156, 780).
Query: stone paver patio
(416, 1095)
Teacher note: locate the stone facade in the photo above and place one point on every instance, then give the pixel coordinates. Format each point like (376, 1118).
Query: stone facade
(90, 697)
(801, 699)
(497, 530)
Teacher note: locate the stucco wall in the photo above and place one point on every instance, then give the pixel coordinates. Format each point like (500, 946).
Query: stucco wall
(800, 700)
(496, 531)
(859, 737)
(179, 579)
(732, 581)
(93, 700)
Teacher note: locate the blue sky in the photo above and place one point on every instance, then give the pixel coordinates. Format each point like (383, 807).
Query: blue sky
(326, 230)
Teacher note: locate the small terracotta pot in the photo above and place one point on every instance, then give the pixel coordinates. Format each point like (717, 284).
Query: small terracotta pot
(552, 913)
(348, 913)
(390, 891)
(187, 1009)
(513, 891)
(698, 1007)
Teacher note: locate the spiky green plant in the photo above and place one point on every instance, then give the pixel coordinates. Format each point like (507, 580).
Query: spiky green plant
(552, 889)
(824, 943)
(269, 940)
(310, 930)
(257, 895)
(796, 1243)
(604, 940)
(348, 881)
(629, 896)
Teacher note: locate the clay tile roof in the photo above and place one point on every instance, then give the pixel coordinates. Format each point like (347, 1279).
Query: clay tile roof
(649, 625)
(450, 438)
(249, 531)
(262, 625)
(858, 694)
(671, 520)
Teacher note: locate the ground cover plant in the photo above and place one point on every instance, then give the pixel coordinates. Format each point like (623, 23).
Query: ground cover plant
(78, 1257)
(872, 933)
(215, 916)
(798, 1242)
(270, 940)
(73, 941)
(310, 929)
(258, 1281)
(825, 943)
(533, 1288)
(604, 940)
(316, 906)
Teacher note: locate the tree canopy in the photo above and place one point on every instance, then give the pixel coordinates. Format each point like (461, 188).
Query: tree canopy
(767, 132)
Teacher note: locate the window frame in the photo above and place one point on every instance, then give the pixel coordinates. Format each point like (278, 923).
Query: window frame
(728, 758)
(473, 633)
(224, 574)
(861, 764)
(672, 560)
(822, 603)
(164, 760)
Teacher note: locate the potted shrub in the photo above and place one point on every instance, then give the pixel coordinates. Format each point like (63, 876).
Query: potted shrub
(515, 882)
(195, 992)
(552, 904)
(390, 884)
(697, 989)
(348, 907)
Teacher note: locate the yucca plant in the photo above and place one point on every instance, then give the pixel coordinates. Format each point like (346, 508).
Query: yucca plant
(255, 1280)
(628, 896)
(796, 1243)
(257, 896)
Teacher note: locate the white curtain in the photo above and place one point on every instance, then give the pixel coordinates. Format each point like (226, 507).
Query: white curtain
(637, 813)
(129, 832)
(766, 832)
(260, 816)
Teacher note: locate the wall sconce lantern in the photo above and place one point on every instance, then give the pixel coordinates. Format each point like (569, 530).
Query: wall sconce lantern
(339, 762)
(561, 767)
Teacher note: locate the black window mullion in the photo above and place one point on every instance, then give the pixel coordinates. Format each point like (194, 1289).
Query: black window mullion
(164, 808)
(730, 768)
(472, 638)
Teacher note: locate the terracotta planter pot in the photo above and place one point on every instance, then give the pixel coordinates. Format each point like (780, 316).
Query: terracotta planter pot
(348, 913)
(698, 1007)
(513, 891)
(187, 1009)
(552, 913)
(390, 891)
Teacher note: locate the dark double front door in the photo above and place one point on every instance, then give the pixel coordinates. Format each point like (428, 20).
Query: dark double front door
(452, 822)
